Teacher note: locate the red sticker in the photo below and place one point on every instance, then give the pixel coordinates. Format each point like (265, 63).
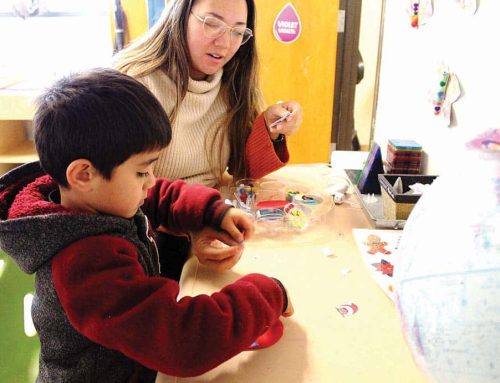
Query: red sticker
(347, 309)
(270, 337)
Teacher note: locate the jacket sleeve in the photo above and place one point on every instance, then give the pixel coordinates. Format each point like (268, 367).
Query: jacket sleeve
(262, 155)
(108, 298)
(181, 207)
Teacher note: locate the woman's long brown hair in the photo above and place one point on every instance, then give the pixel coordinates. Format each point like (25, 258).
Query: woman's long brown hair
(165, 47)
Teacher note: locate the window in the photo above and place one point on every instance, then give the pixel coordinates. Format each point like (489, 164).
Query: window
(44, 39)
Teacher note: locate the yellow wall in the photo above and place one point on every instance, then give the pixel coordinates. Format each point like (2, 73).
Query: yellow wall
(365, 91)
(136, 13)
(303, 70)
(137, 23)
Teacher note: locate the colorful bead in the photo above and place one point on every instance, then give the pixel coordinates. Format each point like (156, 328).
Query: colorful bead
(414, 17)
(441, 94)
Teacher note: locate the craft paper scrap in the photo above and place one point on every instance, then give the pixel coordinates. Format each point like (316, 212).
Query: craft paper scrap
(469, 6)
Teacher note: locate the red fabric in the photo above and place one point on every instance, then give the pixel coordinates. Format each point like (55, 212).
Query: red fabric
(32, 200)
(270, 337)
(264, 157)
(109, 299)
(179, 206)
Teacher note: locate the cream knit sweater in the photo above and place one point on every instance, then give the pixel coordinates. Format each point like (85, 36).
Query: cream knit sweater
(199, 116)
(197, 121)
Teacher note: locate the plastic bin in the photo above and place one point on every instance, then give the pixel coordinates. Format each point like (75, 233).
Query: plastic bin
(399, 206)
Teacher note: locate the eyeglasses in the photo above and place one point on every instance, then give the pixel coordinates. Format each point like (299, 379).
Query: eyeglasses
(214, 28)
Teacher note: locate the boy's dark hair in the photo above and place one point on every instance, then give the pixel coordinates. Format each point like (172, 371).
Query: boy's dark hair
(101, 115)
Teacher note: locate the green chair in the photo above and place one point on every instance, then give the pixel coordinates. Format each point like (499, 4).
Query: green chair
(18, 351)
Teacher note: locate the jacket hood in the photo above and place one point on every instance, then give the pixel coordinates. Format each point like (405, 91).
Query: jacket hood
(33, 228)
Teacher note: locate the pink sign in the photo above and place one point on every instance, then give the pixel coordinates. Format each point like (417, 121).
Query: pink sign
(287, 25)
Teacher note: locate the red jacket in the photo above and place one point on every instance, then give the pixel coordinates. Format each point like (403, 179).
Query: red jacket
(99, 302)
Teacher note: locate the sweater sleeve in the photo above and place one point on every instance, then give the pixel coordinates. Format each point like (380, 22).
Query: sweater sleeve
(262, 155)
(181, 207)
(108, 298)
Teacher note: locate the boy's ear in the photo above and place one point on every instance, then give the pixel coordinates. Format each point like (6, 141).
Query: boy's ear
(81, 174)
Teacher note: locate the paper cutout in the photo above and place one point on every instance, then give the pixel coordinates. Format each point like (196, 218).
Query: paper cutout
(448, 91)
(287, 26)
(376, 245)
(380, 265)
(347, 309)
(419, 11)
(385, 267)
(469, 6)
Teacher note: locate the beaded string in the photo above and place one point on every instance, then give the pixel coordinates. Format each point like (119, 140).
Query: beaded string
(414, 16)
(441, 94)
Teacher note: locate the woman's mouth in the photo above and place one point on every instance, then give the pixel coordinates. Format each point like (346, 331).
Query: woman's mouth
(215, 56)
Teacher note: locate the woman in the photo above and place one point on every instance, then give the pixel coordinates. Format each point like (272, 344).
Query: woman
(200, 61)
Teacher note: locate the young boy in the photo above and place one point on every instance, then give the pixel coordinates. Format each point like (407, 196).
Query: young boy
(75, 219)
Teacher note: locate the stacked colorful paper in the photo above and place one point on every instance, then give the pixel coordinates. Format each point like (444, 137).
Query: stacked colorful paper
(403, 157)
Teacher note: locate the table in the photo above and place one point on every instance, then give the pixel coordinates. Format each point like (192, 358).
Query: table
(319, 344)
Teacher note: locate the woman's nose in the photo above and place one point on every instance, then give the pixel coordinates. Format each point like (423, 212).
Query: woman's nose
(224, 40)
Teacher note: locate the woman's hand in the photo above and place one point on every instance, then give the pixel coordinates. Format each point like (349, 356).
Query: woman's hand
(290, 112)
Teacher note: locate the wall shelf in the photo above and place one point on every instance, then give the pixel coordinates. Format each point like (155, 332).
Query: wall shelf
(19, 154)
(16, 112)
(17, 104)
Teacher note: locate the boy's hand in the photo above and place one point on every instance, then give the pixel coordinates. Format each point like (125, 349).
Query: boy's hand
(215, 249)
(238, 224)
(289, 309)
